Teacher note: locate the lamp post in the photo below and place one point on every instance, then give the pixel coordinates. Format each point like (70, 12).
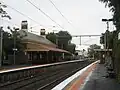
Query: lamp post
(14, 31)
(1, 43)
(15, 49)
(105, 37)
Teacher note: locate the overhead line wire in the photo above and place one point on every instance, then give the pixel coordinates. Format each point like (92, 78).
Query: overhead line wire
(60, 12)
(9, 22)
(44, 13)
(24, 15)
(91, 39)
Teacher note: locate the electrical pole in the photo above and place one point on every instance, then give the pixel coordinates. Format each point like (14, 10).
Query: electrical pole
(1, 44)
(105, 37)
(3, 14)
(14, 49)
(14, 31)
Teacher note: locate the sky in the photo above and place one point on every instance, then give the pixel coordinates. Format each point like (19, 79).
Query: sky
(84, 15)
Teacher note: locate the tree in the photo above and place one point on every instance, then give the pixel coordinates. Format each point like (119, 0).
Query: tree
(71, 48)
(62, 39)
(114, 6)
(16, 39)
(3, 13)
(8, 43)
(109, 39)
(65, 35)
(52, 37)
(91, 51)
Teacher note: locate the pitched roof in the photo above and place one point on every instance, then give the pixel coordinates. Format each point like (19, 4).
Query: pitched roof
(33, 37)
(40, 47)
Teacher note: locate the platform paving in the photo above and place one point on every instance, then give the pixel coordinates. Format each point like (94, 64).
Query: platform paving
(95, 80)
(98, 81)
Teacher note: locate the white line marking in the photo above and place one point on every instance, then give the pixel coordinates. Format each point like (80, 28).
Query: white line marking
(68, 80)
(38, 66)
(86, 80)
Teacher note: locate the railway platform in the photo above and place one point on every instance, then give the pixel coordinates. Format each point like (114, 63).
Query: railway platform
(92, 77)
(9, 67)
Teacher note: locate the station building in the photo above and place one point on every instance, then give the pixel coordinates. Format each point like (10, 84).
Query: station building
(38, 49)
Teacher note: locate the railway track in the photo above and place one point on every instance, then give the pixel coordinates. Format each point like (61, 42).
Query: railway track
(25, 82)
(50, 85)
(43, 82)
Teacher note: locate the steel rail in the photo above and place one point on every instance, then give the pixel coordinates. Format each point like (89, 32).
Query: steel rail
(44, 77)
(58, 79)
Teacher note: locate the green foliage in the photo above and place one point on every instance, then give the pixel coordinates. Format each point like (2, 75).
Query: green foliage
(102, 39)
(3, 13)
(64, 35)
(91, 51)
(108, 36)
(114, 6)
(52, 37)
(113, 41)
(8, 43)
(71, 48)
(62, 39)
(118, 77)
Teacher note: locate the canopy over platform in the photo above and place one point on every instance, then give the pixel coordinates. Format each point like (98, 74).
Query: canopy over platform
(40, 47)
